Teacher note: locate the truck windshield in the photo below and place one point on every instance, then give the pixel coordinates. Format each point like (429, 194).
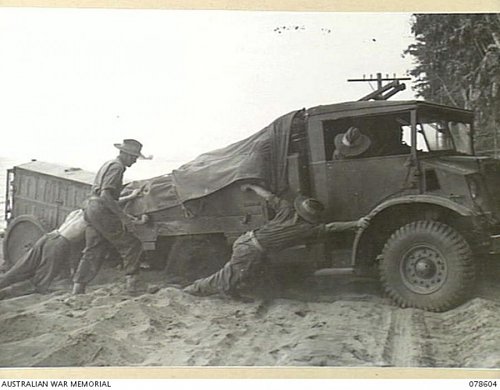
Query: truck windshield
(439, 135)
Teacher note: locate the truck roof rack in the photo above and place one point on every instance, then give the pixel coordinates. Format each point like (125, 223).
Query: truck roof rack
(383, 92)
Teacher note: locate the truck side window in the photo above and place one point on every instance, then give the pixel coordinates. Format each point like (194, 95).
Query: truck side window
(385, 133)
(330, 130)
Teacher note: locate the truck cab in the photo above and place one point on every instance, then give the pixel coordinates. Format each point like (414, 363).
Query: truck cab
(432, 204)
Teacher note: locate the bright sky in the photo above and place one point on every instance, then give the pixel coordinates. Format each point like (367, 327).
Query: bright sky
(74, 81)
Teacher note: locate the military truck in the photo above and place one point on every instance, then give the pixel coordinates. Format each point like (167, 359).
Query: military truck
(432, 203)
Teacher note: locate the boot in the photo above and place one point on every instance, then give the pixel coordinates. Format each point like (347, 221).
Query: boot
(18, 290)
(78, 288)
(176, 282)
(200, 289)
(131, 283)
(5, 293)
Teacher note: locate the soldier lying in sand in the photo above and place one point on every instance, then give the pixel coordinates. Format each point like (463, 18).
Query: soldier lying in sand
(292, 225)
(35, 271)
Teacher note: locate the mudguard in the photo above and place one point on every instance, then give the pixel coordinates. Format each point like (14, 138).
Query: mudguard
(410, 199)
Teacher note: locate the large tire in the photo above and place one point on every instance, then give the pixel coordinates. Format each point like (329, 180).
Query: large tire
(21, 234)
(427, 265)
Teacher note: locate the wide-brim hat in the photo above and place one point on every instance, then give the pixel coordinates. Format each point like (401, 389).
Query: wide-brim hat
(309, 209)
(132, 147)
(358, 145)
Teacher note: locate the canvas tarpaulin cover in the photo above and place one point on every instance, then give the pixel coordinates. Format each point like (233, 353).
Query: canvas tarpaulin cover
(261, 156)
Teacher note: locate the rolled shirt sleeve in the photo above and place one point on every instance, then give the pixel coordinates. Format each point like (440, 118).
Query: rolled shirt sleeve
(110, 178)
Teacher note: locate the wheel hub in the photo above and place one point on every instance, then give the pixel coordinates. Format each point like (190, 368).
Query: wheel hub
(423, 269)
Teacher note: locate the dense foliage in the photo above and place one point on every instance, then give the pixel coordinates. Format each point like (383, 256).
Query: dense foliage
(457, 63)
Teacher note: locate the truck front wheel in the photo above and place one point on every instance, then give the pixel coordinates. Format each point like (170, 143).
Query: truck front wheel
(427, 265)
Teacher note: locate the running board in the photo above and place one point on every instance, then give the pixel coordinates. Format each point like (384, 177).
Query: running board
(334, 271)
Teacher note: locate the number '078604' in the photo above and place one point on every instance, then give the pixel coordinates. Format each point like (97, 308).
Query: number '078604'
(482, 383)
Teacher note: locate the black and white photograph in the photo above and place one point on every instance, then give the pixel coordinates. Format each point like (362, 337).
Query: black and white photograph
(246, 188)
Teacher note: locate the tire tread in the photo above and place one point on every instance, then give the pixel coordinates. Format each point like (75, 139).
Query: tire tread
(455, 240)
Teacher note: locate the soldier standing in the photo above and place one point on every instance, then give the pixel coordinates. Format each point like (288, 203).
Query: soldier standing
(108, 224)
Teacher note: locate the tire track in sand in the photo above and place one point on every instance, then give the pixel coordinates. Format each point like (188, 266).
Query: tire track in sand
(407, 342)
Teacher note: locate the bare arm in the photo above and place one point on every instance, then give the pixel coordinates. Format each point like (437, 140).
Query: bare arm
(128, 220)
(127, 198)
(258, 190)
(361, 223)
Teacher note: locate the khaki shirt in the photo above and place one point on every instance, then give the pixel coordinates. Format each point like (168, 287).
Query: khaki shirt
(109, 177)
(285, 230)
(73, 227)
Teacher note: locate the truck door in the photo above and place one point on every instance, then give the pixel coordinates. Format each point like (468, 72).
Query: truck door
(352, 186)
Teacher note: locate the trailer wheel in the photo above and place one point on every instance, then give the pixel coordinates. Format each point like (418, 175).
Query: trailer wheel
(21, 234)
(427, 265)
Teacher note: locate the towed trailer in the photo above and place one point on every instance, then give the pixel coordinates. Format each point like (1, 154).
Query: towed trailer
(39, 196)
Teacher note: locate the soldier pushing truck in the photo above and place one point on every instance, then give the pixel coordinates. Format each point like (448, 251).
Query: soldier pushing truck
(46, 260)
(101, 223)
(108, 224)
(432, 203)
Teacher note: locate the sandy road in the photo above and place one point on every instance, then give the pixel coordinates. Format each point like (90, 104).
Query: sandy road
(331, 322)
(407, 340)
